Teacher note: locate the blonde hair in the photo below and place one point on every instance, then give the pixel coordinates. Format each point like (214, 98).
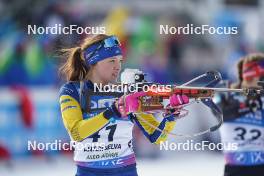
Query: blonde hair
(75, 68)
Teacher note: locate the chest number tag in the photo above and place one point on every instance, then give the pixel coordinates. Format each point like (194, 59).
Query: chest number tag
(111, 129)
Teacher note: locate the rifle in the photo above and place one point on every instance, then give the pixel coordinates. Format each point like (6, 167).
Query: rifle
(153, 101)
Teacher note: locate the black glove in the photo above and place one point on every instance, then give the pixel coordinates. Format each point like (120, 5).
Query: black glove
(230, 107)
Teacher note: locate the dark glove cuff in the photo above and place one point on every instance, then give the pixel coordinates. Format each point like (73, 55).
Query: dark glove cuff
(111, 112)
(170, 117)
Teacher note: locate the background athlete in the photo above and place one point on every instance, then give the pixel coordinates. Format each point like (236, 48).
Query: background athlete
(244, 121)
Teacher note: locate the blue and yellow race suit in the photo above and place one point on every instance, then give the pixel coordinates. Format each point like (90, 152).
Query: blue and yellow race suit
(107, 137)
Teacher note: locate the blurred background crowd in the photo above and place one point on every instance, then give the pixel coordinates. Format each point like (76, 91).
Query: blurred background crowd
(29, 79)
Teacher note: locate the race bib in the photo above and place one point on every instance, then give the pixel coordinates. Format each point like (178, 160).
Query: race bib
(249, 140)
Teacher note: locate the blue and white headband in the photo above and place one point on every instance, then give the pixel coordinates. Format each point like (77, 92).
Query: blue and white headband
(109, 47)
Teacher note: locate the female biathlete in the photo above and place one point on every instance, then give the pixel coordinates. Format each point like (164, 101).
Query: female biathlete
(98, 60)
(244, 122)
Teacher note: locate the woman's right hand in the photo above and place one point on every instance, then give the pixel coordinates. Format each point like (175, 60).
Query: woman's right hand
(129, 103)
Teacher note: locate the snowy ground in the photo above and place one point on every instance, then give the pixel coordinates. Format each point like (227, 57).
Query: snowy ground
(180, 164)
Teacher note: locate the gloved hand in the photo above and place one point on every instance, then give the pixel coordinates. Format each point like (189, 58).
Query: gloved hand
(174, 107)
(129, 103)
(178, 100)
(232, 107)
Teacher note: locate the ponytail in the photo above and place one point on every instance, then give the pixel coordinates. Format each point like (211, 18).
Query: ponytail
(75, 68)
(237, 85)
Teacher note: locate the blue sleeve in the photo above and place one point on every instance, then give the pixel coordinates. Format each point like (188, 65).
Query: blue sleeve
(69, 89)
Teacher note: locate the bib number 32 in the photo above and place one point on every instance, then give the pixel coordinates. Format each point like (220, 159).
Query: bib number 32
(252, 134)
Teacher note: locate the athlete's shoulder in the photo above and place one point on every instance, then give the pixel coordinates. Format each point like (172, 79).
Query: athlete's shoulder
(70, 89)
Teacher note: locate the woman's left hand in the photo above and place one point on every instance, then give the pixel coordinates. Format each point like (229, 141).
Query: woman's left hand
(178, 100)
(175, 106)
